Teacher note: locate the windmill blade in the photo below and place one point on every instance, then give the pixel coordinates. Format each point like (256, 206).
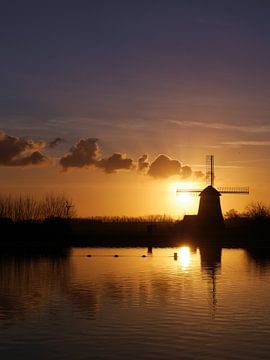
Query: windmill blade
(210, 170)
(234, 190)
(195, 191)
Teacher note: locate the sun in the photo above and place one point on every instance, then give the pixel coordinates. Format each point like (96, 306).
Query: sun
(183, 203)
(184, 198)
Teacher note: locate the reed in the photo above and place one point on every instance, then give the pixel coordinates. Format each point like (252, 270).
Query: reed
(26, 207)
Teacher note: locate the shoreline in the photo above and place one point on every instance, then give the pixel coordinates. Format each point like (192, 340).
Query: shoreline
(74, 232)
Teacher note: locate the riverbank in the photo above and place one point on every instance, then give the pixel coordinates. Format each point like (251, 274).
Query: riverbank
(83, 232)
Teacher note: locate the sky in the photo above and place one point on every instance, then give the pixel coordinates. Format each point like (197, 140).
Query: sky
(116, 103)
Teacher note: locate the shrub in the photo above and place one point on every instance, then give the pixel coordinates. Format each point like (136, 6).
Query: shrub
(257, 211)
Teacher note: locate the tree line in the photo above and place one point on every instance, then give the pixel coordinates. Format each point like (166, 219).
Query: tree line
(253, 211)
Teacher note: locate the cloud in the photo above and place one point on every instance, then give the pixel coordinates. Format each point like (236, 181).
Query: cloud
(163, 167)
(198, 174)
(143, 162)
(17, 151)
(83, 154)
(246, 143)
(224, 126)
(52, 144)
(34, 159)
(22, 152)
(87, 153)
(186, 172)
(115, 162)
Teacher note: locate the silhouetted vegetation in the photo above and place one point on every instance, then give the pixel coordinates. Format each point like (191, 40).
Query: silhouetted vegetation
(256, 214)
(132, 219)
(51, 220)
(27, 208)
(257, 211)
(26, 221)
(232, 214)
(253, 211)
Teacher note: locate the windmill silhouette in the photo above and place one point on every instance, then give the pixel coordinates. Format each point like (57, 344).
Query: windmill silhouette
(209, 212)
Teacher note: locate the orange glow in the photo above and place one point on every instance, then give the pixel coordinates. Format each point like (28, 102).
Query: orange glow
(183, 202)
(184, 198)
(184, 257)
(97, 194)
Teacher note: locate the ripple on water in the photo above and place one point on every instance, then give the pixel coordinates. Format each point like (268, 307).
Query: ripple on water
(147, 308)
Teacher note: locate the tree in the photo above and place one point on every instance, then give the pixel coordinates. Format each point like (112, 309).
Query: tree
(232, 214)
(257, 211)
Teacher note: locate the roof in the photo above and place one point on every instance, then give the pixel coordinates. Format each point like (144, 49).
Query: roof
(210, 191)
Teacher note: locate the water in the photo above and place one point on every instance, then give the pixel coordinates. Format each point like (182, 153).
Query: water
(206, 304)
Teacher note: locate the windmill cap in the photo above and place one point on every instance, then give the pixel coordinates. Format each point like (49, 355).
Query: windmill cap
(210, 191)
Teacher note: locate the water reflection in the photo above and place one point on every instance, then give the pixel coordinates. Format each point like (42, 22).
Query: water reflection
(259, 258)
(184, 256)
(27, 281)
(31, 282)
(71, 303)
(83, 301)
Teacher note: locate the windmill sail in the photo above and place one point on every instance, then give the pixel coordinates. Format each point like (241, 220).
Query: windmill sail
(233, 190)
(210, 176)
(209, 214)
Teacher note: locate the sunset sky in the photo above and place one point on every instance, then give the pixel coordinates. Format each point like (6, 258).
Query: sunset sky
(116, 103)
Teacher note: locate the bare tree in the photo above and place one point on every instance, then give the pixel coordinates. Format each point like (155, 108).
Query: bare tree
(232, 214)
(257, 211)
(57, 206)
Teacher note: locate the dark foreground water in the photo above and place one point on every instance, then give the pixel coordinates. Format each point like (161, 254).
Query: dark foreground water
(206, 304)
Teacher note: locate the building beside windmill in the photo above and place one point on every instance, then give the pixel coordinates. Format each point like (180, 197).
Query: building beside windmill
(209, 214)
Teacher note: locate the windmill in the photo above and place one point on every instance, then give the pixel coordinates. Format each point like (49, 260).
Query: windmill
(209, 212)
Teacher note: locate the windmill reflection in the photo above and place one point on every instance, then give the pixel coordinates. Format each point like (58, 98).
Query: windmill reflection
(211, 265)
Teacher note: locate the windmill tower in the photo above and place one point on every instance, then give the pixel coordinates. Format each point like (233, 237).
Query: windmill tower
(209, 212)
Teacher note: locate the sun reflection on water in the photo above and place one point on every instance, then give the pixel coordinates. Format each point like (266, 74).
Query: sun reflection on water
(184, 256)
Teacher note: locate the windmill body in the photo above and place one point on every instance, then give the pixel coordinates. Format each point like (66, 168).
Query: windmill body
(209, 207)
(209, 213)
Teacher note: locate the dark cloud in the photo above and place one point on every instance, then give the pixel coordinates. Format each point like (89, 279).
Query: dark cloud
(163, 167)
(143, 163)
(17, 151)
(87, 153)
(198, 174)
(186, 172)
(34, 159)
(52, 144)
(115, 162)
(83, 154)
